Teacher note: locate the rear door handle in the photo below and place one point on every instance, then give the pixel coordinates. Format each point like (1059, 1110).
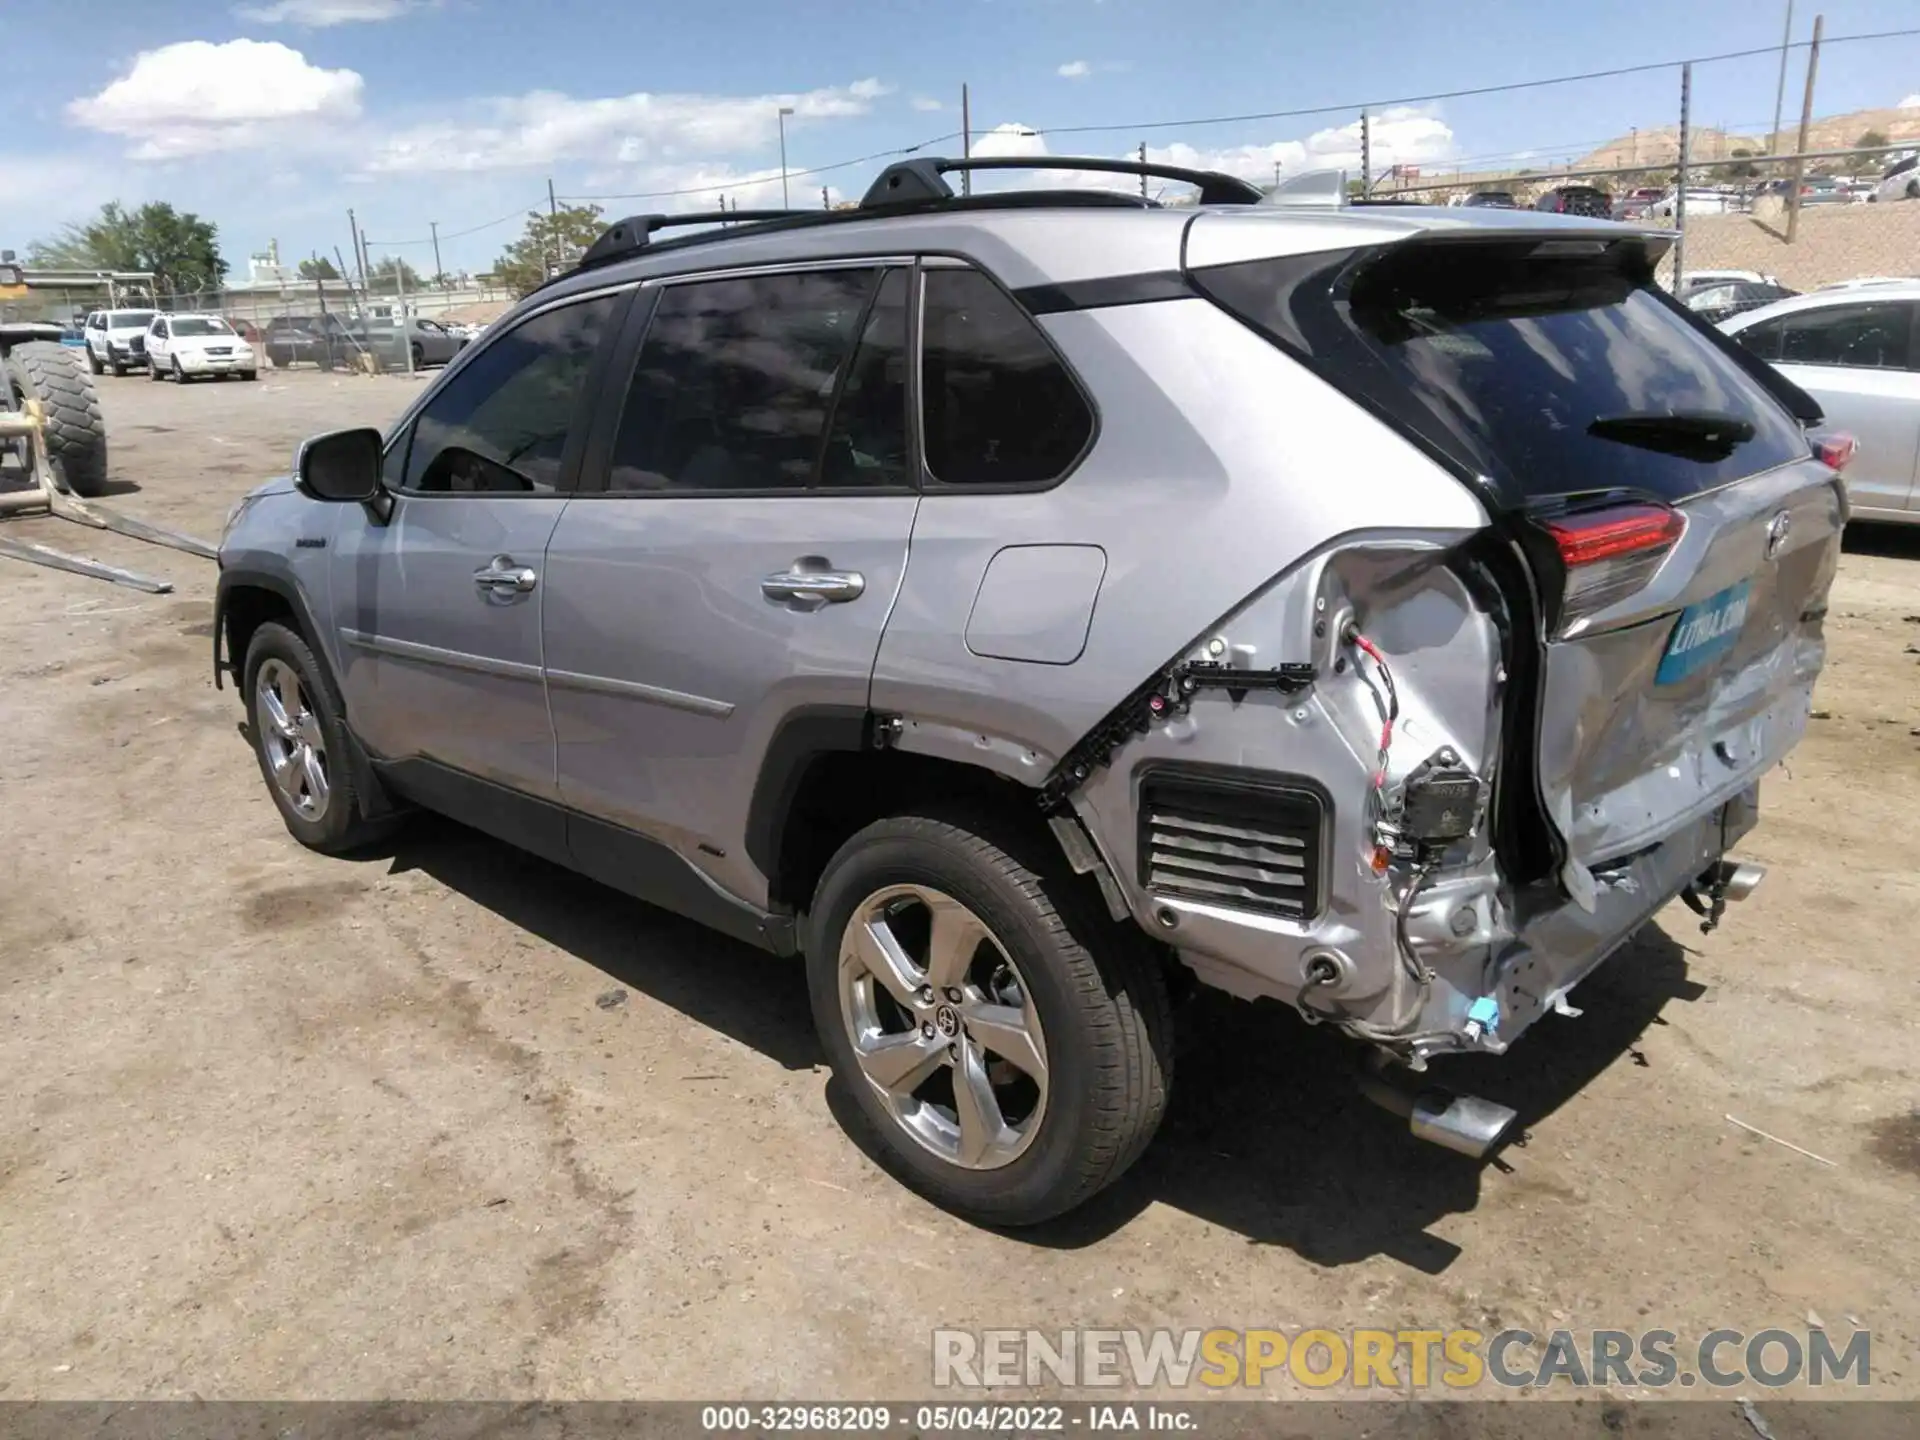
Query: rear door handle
(822, 587)
(501, 576)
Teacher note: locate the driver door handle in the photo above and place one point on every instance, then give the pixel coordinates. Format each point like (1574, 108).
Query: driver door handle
(502, 577)
(820, 586)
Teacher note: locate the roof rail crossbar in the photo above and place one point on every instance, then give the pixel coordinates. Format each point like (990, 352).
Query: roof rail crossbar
(635, 233)
(922, 179)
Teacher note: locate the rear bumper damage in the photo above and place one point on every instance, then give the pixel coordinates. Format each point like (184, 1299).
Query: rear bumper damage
(1496, 963)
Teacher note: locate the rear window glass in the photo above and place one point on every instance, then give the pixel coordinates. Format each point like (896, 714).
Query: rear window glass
(125, 319)
(1504, 360)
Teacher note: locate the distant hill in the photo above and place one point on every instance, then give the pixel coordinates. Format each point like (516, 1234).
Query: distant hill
(1661, 146)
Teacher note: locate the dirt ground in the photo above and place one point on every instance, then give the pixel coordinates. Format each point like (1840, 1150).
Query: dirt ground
(284, 1126)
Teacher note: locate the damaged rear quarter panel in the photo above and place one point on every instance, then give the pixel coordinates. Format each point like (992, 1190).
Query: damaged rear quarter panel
(1219, 464)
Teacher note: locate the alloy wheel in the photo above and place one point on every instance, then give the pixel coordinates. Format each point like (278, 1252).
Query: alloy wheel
(291, 740)
(943, 1026)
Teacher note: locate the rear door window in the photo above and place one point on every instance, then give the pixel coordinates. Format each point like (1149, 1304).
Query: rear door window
(1518, 361)
(1865, 337)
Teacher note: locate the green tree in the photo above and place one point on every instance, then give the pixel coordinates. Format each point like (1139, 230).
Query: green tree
(318, 268)
(381, 280)
(177, 246)
(1740, 167)
(552, 243)
(1869, 155)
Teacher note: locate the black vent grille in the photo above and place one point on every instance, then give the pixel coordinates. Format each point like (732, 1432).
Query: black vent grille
(1247, 845)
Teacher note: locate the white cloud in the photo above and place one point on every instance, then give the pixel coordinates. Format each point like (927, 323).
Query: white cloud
(544, 127)
(1400, 136)
(318, 14)
(195, 97)
(1074, 70)
(1912, 102)
(927, 104)
(703, 185)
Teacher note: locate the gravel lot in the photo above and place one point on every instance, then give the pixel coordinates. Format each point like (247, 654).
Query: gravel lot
(287, 1126)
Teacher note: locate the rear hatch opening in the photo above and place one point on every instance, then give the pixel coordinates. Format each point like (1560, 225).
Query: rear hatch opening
(1664, 530)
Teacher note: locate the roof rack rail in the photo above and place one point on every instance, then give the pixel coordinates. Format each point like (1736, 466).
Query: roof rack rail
(921, 180)
(633, 234)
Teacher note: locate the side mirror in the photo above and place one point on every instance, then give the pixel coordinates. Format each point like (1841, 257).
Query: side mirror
(341, 466)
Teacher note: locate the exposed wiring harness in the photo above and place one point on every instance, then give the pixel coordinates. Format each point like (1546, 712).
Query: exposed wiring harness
(1387, 698)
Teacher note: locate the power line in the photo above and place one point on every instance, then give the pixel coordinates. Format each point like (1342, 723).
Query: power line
(1353, 106)
(1346, 107)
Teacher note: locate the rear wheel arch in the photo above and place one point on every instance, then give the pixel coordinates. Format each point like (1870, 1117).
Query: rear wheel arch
(823, 780)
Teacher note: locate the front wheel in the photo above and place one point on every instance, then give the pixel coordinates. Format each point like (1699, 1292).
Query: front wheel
(93, 362)
(300, 741)
(249, 374)
(119, 368)
(1007, 1044)
(179, 375)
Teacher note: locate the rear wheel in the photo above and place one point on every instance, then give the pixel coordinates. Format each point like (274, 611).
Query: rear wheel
(300, 741)
(75, 433)
(1008, 1046)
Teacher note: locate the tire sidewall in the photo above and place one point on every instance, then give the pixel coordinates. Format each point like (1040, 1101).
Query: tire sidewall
(276, 642)
(1044, 1177)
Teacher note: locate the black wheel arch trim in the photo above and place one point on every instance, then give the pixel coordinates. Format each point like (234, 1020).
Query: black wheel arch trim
(801, 738)
(374, 800)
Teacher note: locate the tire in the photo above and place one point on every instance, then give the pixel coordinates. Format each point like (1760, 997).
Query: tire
(1093, 991)
(93, 362)
(329, 822)
(119, 369)
(153, 373)
(179, 375)
(76, 435)
(249, 374)
(419, 357)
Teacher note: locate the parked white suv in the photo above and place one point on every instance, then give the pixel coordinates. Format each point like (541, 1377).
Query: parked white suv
(189, 346)
(1901, 182)
(117, 340)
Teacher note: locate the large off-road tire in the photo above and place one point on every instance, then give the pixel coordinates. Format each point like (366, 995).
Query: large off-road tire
(300, 740)
(76, 435)
(1007, 1045)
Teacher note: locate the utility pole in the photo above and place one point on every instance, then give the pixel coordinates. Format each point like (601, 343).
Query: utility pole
(1143, 173)
(403, 324)
(1366, 155)
(1680, 189)
(780, 117)
(359, 255)
(1780, 90)
(1806, 121)
(825, 204)
(1276, 175)
(966, 140)
(553, 205)
(434, 226)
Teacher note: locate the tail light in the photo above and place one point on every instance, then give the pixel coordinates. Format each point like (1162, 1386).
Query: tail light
(1606, 555)
(1834, 449)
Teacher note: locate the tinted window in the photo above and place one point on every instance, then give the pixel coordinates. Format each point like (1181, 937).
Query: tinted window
(126, 319)
(1502, 359)
(999, 407)
(1870, 337)
(737, 379)
(501, 423)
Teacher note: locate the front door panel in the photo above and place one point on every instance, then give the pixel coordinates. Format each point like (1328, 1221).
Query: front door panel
(438, 664)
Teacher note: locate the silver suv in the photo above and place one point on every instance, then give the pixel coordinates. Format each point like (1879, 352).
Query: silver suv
(1025, 605)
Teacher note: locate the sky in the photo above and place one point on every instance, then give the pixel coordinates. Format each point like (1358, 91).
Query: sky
(273, 118)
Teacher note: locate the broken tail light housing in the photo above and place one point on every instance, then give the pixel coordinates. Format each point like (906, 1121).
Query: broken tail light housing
(1833, 448)
(1607, 555)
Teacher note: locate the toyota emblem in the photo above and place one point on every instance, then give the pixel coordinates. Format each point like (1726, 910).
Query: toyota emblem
(1777, 531)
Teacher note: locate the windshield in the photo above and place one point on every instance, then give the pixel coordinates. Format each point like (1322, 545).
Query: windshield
(127, 319)
(194, 325)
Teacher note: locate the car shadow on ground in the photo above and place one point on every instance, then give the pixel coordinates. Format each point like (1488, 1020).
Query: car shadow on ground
(751, 996)
(1266, 1137)
(1896, 542)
